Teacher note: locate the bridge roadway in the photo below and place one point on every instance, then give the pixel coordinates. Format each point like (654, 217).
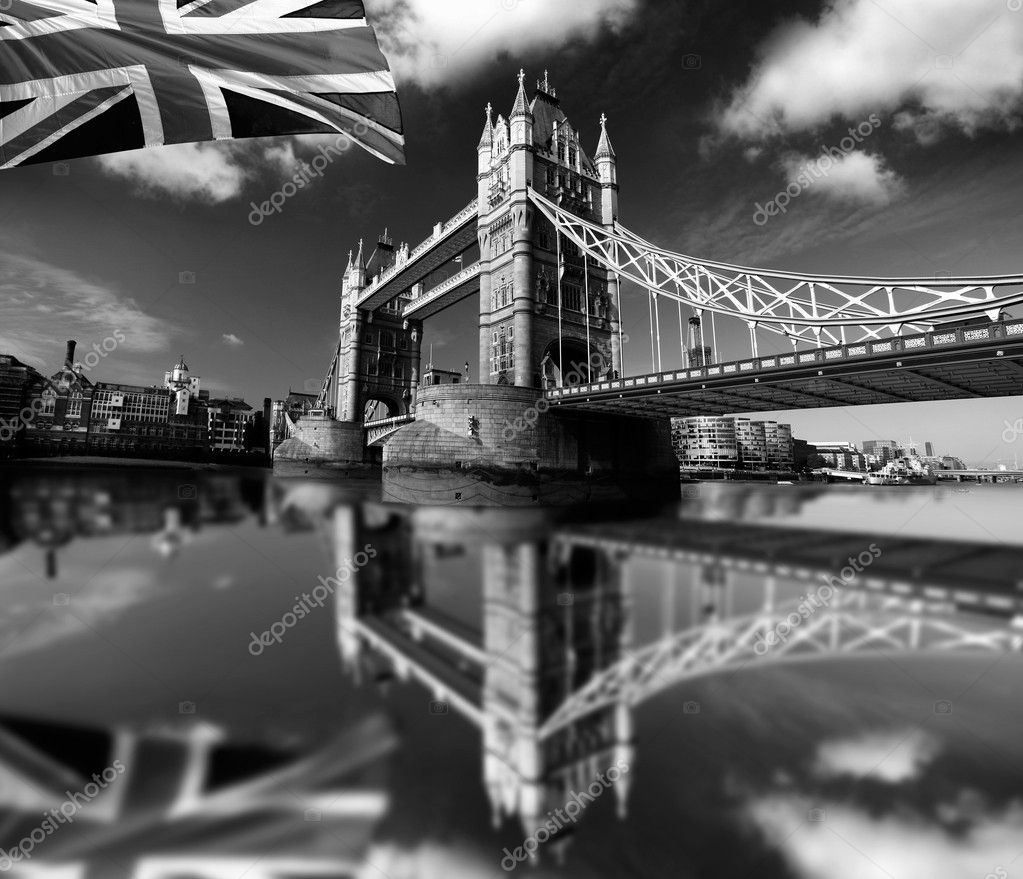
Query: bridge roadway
(975, 577)
(945, 364)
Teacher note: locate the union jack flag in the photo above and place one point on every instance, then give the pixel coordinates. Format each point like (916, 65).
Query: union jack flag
(85, 77)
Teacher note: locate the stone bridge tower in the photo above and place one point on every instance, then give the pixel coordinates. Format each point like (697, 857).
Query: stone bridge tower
(379, 351)
(524, 335)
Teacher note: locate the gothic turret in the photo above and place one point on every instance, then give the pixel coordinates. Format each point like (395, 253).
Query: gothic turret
(521, 117)
(607, 168)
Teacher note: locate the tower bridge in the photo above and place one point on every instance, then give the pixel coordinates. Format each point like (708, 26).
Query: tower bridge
(543, 248)
(552, 664)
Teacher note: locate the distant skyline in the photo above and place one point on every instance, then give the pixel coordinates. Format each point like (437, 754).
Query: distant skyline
(714, 108)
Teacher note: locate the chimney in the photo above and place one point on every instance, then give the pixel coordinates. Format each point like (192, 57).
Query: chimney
(69, 355)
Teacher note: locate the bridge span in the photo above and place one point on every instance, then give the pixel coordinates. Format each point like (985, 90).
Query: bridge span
(945, 364)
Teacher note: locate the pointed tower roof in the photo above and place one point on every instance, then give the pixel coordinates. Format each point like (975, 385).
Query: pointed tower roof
(358, 258)
(488, 129)
(521, 107)
(604, 148)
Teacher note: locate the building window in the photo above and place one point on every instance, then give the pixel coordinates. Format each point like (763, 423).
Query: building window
(370, 339)
(49, 402)
(503, 352)
(572, 297)
(74, 406)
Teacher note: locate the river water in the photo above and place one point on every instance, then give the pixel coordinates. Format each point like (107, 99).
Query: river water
(222, 675)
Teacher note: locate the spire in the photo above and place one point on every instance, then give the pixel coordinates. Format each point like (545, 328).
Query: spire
(488, 129)
(358, 258)
(604, 148)
(521, 107)
(348, 268)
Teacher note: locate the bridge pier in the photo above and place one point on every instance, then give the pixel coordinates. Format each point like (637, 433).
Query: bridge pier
(499, 445)
(321, 447)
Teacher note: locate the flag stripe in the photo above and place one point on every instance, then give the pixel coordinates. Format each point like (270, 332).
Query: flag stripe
(60, 123)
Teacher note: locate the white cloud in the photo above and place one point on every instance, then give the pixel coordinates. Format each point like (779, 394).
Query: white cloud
(208, 172)
(892, 757)
(231, 340)
(435, 43)
(854, 177)
(42, 304)
(852, 844)
(939, 62)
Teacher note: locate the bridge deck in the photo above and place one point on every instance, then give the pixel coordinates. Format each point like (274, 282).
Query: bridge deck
(977, 576)
(955, 364)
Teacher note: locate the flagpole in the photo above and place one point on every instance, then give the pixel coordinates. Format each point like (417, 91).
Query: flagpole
(621, 322)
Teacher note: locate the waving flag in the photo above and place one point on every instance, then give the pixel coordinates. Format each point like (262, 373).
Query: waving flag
(85, 77)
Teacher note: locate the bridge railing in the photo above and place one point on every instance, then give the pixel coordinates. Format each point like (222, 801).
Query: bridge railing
(440, 231)
(936, 339)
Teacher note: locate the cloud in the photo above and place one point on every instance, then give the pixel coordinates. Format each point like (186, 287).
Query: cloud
(211, 173)
(853, 177)
(892, 757)
(852, 844)
(231, 340)
(41, 304)
(433, 43)
(939, 63)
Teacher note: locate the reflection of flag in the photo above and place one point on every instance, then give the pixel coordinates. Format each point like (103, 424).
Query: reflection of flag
(561, 264)
(189, 803)
(82, 77)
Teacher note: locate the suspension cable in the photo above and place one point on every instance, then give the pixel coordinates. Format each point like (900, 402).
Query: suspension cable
(586, 287)
(561, 342)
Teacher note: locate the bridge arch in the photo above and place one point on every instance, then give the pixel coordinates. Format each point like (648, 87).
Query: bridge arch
(581, 366)
(381, 405)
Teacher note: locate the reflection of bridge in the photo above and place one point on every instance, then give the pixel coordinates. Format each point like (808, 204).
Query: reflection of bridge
(555, 271)
(555, 666)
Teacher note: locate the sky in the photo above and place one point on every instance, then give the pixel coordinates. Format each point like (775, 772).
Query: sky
(714, 107)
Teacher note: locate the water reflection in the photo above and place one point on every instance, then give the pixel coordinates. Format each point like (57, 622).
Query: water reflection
(731, 685)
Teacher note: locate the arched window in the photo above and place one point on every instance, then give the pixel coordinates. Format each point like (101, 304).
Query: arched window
(49, 401)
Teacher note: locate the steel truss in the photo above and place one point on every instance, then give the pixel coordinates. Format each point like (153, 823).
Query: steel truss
(854, 623)
(822, 310)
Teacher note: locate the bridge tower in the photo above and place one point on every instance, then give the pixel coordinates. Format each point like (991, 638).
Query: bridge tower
(378, 358)
(547, 315)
